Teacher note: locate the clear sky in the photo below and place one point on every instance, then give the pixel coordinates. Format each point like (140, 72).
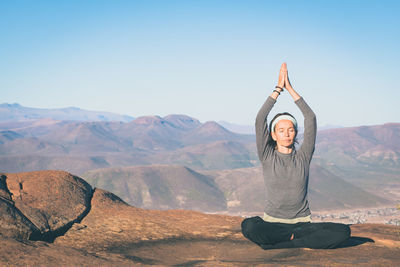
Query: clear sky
(212, 60)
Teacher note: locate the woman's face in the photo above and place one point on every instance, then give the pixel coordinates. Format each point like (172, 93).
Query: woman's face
(284, 133)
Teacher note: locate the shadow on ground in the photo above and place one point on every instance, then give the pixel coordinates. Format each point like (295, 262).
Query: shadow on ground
(357, 250)
(355, 241)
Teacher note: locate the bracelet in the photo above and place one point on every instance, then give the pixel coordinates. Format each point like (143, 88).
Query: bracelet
(279, 87)
(277, 92)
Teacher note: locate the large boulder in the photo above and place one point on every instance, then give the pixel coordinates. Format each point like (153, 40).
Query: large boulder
(13, 224)
(51, 200)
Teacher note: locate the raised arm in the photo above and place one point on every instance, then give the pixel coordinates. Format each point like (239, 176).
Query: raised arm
(289, 87)
(261, 118)
(310, 128)
(310, 121)
(262, 127)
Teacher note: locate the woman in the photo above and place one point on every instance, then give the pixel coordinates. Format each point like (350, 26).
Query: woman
(287, 222)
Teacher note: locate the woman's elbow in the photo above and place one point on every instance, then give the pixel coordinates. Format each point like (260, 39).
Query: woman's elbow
(313, 118)
(258, 124)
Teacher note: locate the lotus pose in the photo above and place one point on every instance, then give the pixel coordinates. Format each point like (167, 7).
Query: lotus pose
(287, 218)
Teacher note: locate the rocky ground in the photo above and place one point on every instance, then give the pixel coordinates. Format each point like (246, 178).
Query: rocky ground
(76, 225)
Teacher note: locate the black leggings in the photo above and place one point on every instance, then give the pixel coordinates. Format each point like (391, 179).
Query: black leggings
(305, 234)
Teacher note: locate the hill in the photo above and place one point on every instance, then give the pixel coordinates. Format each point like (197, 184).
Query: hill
(373, 146)
(234, 191)
(160, 187)
(361, 154)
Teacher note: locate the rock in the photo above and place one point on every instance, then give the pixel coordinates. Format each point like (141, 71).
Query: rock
(13, 224)
(51, 200)
(4, 192)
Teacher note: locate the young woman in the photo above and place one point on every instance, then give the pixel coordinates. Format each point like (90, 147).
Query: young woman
(286, 222)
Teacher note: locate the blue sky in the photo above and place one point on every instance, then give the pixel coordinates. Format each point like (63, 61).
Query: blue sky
(212, 60)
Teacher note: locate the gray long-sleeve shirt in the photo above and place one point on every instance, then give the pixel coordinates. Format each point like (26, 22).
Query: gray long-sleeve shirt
(286, 175)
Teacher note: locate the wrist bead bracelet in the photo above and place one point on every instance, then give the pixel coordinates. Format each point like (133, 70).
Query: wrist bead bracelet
(277, 92)
(279, 87)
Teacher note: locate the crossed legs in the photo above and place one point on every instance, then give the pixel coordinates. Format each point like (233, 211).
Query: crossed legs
(308, 235)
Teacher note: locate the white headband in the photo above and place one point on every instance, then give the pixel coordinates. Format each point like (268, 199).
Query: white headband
(284, 117)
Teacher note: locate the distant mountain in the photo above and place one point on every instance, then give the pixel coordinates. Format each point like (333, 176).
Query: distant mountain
(182, 121)
(328, 126)
(211, 131)
(236, 190)
(84, 137)
(7, 136)
(32, 128)
(210, 156)
(355, 141)
(249, 129)
(160, 187)
(174, 139)
(367, 155)
(154, 133)
(238, 128)
(16, 112)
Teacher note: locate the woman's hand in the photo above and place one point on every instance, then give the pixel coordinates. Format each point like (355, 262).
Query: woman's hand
(281, 82)
(289, 87)
(287, 82)
(282, 77)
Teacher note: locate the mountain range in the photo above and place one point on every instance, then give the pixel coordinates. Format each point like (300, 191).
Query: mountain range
(81, 146)
(12, 112)
(365, 160)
